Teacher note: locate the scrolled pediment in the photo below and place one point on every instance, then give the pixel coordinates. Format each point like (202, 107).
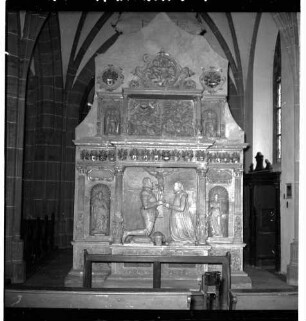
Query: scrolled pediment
(162, 71)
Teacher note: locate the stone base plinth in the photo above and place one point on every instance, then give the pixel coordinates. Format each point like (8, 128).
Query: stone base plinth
(240, 280)
(169, 271)
(172, 275)
(292, 268)
(75, 279)
(99, 270)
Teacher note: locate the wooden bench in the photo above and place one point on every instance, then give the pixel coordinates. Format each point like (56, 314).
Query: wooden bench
(98, 299)
(227, 299)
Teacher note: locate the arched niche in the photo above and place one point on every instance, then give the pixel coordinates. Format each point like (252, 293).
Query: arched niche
(218, 211)
(100, 210)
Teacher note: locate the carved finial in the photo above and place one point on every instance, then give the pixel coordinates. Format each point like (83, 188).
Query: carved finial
(259, 161)
(268, 165)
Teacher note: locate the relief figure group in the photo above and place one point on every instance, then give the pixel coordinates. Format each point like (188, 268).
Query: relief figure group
(182, 227)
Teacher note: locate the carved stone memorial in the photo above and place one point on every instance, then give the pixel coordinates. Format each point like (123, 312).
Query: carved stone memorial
(159, 160)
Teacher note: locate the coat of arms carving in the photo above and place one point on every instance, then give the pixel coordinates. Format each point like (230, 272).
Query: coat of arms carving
(162, 71)
(212, 79)
(110, 78)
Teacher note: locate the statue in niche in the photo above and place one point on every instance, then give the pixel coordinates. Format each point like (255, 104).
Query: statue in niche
(148, 211)
(100, 210)
(217, 213)
(214, 216)
(210, 123)
(182, 228)
(112, 123)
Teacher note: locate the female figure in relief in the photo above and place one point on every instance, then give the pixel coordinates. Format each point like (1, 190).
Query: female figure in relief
(182, 228)
(214, 216)
(99, 214)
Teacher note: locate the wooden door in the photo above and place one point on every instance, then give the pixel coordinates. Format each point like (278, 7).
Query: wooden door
(266, 222)
(262, 219)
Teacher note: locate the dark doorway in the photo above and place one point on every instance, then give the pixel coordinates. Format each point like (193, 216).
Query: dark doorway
(262, 219)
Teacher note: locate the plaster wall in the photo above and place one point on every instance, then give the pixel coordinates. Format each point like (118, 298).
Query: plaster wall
(263, 88)
(221, 22)
(287, 167)
(263, 120)
(244, 25)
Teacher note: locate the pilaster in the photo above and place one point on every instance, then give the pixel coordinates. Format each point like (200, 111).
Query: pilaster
(202, 234)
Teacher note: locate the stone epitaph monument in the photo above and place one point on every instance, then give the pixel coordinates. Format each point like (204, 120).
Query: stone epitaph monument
(159, 159)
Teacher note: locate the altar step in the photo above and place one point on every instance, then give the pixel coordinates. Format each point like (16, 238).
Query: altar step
(248, 299)
(272, 299)
(269, 290)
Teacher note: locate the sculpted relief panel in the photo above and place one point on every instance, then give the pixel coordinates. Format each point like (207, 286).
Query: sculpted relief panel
(178, 118)
(160, 203)
(173, 118)
(144, 117)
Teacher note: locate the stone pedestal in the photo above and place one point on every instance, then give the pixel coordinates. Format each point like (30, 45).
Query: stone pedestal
(292, 268)
(99, 270)
(239, 279)
(176, 271)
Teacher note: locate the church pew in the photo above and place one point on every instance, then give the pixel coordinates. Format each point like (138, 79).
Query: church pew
(123, 299)
(228, 300)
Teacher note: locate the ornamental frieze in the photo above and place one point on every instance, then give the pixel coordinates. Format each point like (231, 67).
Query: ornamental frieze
(238, 228)
(98, 155)
(102, 174)
(215, 176)
(95, 172)
(136, 154)
(223, 157)
(162, 71)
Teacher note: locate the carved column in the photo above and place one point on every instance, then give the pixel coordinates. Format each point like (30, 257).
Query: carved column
(238, 221)
(117, 229)
(201, 227)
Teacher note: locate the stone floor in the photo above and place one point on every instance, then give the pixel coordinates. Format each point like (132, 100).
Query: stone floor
(269, 289)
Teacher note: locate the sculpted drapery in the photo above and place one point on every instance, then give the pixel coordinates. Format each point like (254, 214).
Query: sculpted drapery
(182, 228)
